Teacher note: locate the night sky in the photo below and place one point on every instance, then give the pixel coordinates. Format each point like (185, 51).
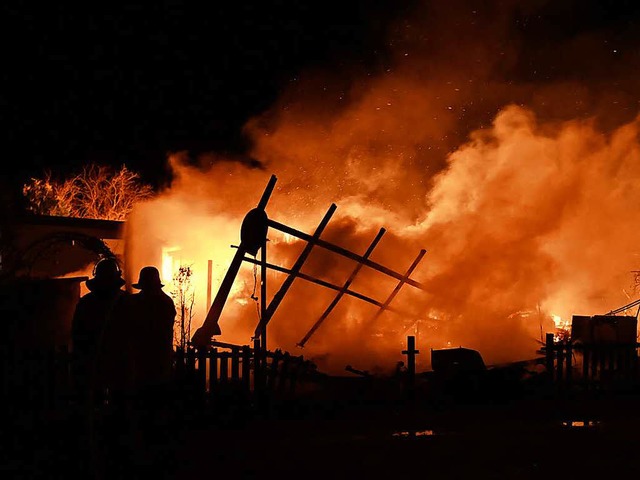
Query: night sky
(128, 82)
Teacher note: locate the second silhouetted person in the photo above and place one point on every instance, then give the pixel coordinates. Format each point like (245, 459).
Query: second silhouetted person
(152, 314)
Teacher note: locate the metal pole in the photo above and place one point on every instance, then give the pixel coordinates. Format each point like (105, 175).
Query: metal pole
(411, 353)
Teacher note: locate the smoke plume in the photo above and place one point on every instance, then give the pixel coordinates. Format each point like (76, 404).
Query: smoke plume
(518, 181)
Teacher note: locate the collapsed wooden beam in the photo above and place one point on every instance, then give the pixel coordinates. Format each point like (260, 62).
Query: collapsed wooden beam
(346, 253)
(253, 238)
(277, 298)
(249, 244)
(324, 283)
(396, 290)
(341, 292)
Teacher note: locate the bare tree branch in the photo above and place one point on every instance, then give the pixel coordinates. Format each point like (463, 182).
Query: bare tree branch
(97, 191)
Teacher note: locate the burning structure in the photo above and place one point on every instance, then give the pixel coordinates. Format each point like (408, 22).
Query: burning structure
(254, 238)
(520, 183)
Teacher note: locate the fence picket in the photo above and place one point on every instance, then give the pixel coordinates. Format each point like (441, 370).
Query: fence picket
(44, 379)
(603, 365)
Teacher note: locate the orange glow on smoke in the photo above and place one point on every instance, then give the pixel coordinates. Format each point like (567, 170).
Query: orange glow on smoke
(521, 217)
(525, 214)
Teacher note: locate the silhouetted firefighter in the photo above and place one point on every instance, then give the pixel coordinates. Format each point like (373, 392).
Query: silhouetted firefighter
(151, 314)
(95, 312)
(100, 361)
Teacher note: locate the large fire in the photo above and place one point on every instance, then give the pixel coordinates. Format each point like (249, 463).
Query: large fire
(527, 214)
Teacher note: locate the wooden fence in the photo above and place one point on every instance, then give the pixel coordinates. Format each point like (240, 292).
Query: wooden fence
(606, 366)
(215, 372)
(41, 379)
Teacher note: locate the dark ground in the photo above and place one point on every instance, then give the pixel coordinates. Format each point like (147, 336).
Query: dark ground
(523, 441)
(527, 438)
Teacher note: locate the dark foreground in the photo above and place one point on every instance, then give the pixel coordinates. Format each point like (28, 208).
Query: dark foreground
(527, 438)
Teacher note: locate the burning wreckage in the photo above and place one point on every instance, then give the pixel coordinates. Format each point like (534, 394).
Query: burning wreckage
(253, 237)
(457, 371)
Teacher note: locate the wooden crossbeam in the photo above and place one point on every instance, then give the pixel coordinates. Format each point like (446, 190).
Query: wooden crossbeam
(324, 283)
(396, 290)
(346, 253)
(277, 298)
(341, 292)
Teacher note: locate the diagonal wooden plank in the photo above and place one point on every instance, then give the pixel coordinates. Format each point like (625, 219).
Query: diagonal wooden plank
(210, 326)
(360, 296)
(324, 283)
(342, 291)
(344, 252)
(277, 298)
(396, 290)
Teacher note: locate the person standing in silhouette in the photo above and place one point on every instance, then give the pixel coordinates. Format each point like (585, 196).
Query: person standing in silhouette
(152, 315)
(94, 315)
(99, 351)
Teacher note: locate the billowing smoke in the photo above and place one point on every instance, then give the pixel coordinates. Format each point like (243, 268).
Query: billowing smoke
(522, 192)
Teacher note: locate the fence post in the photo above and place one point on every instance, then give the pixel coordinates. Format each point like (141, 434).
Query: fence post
(411, 353)
(595, 352)
(224, 367)
(213, 372)
(257, 366)
(586, 354)
(560, 364)
(273, 370)
(178, 356)
(235, 364)
(202, 370)
(190, 361)
(550, 355)
(246, 369)
(190, 374)
(569, 358)
(628, 355)
(284, 372)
